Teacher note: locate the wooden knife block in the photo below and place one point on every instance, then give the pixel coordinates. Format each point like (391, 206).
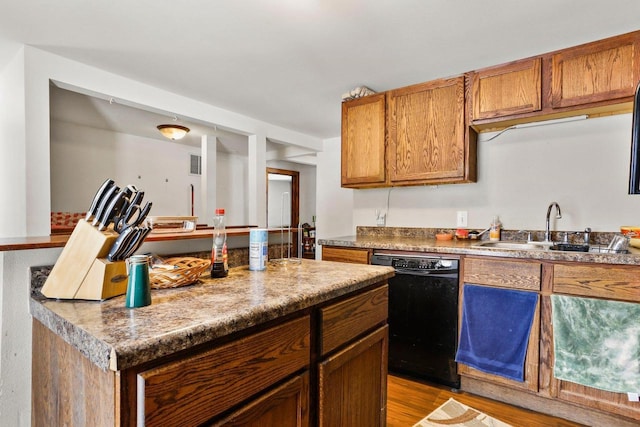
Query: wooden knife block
(82, 270)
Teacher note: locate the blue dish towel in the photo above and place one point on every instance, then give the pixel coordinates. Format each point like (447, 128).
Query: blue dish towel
(495, 329)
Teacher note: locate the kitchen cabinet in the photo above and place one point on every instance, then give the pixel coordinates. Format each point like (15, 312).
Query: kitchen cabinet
(508, 89)
(428, 140)
(352, 255)
(269, 375)
(341, 402)
(363, 142)
(601, 281)
(194, 389)
(512, 274)
(601, 71)
(597, 78)
(353, 378)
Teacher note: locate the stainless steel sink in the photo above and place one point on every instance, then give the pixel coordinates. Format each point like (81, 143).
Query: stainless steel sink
(518, 246)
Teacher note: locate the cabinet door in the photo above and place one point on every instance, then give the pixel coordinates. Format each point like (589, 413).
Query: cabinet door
(615, 282)
(513, 274)
(353, 384)
(285, 406)
(600, 71)
(363, 142)
(353, 255)
(192, 390)
(506, 90)
(427, 133)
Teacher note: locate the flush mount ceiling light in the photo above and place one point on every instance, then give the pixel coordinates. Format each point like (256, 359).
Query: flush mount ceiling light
(173, 132)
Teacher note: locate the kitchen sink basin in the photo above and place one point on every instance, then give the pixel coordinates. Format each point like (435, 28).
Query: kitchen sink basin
(519, 246)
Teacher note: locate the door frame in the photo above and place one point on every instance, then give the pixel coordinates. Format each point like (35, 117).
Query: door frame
(295, 193)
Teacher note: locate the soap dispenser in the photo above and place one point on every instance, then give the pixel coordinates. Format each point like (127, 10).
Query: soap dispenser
(494, 231)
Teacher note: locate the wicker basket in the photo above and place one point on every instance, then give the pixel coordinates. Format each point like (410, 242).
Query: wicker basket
(187, 271)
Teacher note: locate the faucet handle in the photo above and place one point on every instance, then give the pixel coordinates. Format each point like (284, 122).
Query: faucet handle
(529, 238)
(587, 235)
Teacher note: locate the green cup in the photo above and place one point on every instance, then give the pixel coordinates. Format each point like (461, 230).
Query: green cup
(138, 287)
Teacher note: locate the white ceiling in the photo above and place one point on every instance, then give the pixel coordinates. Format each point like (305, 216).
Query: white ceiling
(287, 62)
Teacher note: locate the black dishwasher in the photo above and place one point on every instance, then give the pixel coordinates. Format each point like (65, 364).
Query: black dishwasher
(423, 316)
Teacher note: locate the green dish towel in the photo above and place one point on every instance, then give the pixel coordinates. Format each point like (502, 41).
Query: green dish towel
(597, 343)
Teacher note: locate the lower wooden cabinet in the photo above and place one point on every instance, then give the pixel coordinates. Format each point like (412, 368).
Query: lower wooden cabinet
(195, 389)
(513, 274)
(353, 383)
(353, 255)
(285, 406)
(614, 282)
(541, 390)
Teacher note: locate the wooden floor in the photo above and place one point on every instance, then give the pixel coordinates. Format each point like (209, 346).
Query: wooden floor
(408, 402)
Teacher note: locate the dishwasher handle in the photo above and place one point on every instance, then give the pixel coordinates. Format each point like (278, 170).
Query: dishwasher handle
(446, 273)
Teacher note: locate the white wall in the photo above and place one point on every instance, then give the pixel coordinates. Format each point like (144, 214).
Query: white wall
(15, 366)
(582, 165)
(335, 205)
(13, 184)
(83, 157)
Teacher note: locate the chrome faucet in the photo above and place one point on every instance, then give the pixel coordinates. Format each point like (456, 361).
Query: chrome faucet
(547, 231)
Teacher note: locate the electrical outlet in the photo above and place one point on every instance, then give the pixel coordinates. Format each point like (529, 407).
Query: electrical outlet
(461, 219)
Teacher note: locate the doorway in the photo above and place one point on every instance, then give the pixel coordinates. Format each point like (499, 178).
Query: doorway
(279, 182)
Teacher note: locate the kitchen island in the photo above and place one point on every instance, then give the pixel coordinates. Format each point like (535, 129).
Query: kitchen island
(248, 346)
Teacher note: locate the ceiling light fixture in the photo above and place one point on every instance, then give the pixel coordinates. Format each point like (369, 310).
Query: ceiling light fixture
(173, 132)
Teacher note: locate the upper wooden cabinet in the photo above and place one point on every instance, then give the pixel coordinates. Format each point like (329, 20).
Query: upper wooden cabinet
(508, 89)
(426, 125)
(595, 78)
(363, 142)
(600, 71)
(428, 142)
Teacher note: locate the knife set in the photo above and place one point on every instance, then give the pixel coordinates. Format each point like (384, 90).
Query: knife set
(91, 265)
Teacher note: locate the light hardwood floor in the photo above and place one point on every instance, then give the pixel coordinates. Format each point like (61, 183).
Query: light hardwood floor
(409, 401)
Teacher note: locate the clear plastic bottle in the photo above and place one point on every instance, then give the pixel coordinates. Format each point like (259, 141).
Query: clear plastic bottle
(219, 260)
(494, 231)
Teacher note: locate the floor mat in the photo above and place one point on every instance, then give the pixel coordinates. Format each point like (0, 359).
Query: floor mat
(454, 413)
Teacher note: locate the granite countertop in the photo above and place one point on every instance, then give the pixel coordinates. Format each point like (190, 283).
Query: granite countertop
(419, 243)
(114, 337)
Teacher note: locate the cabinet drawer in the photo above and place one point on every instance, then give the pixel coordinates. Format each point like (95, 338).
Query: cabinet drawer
(353, 255)
(344, 321)
(621, 282)
(190, 391)
(504, 273)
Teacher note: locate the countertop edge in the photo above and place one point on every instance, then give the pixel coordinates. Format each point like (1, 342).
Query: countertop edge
(116, 356)
(455, 247)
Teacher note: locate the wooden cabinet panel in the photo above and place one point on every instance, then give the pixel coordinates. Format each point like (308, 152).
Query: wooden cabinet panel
(285, 406)
(531, 364)
(600, 71)
(505, 273)
(508, 89)
(67, 388)
(344, 321)
(618, 282)
(192, 390)
(615, 282)
(427, 133)
(353, 255)
(363, 142)
(352, 384)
